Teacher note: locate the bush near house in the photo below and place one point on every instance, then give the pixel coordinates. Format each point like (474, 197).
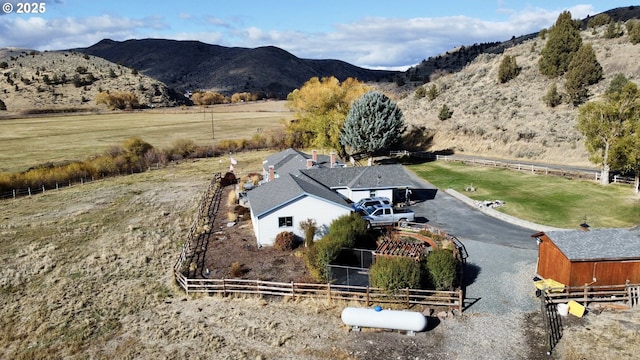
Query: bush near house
(343, 232)
(285, 240)
(394, 273)
(441, 268)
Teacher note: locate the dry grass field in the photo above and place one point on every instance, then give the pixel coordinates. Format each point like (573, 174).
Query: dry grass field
(30, 141)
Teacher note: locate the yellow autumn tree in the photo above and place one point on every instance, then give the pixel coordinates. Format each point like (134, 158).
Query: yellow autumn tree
(321, 107)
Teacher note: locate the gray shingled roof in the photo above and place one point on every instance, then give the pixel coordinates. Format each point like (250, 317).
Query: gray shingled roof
(290, 161)
(362, 177)
(597, 244)
(274, 194)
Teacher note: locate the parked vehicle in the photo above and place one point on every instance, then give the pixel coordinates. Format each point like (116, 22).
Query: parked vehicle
(385, 215)
(371, 201)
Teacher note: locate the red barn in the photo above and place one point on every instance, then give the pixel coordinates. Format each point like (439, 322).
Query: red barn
(596, 257)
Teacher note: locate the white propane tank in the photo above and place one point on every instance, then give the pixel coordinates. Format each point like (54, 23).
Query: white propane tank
(386, 319)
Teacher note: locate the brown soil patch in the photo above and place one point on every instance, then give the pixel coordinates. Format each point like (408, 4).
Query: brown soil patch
(232, 251)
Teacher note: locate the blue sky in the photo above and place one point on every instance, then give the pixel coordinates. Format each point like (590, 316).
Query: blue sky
(373, 34)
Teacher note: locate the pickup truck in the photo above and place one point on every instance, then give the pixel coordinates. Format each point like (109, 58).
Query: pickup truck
(383, 215)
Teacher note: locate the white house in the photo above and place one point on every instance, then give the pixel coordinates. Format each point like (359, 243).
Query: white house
(361, 182)
(281, 205)
(301, 187)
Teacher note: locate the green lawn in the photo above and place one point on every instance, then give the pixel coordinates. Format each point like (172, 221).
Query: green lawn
(547, 200)
(36, 140)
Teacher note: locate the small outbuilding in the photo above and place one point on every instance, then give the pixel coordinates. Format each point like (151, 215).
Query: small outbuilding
(598, 257)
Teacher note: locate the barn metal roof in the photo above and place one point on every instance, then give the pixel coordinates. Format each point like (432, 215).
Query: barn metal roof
(597, 244)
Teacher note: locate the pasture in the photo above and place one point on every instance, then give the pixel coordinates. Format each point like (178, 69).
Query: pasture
(31, 141)
(548, 200)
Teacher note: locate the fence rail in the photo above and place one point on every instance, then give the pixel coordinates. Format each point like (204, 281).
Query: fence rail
(627, 293)
(365, 294)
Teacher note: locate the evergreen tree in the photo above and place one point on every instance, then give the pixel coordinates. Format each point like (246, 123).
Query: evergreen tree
(564, 41)
(633, 28)
(584, 70)
(618, 83)
(553, 98)
(614, 30)
(432, 92)
(374, 124)
(445, 113)
(508, 69)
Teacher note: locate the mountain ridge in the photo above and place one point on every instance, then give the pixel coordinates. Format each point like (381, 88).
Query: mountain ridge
(188, 65)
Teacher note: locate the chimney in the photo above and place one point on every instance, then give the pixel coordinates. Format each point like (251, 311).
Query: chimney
(309, 163)
(314, 155)
(333, 159)
(272, 173)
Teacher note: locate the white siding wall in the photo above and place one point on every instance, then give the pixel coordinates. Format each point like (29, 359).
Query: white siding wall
(358, 195)
(321, 211)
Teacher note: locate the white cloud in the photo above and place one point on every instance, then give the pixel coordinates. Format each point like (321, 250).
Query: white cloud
(370, 42)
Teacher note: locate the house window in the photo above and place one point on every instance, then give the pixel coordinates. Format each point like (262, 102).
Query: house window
(286, 221)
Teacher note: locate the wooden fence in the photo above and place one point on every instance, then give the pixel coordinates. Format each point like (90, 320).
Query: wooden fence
(628, 294)
(364, 294)
(202, 218)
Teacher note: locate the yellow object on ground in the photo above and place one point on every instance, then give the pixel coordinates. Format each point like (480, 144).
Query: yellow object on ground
(575, 308)
(549, 285)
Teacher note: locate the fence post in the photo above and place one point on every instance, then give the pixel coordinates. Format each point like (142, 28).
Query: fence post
(14, 193)
(586, 294)
(329, 291)
(460, 301)
(615, 179)
(29, 189)
(407, 297)
(368, 302)
(43, 189)
(57, 188)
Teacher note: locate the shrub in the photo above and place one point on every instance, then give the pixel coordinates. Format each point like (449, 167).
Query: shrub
(228, 179)
(633, 28)
(508, 69)
(320, 255)
(420, 92)
(441, 267)
(118, 100)
(432, 92)
(232, 216)
(208, 98)
(236, 269)
(183, 147)
(285, 241)
(614, 30)
(394, 273)
(599, 20)
(552, 98)
(232, 198)
(309, 227)
(445, 113)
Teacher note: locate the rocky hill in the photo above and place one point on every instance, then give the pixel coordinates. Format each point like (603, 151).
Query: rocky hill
(63, 80)
(510, 120)
(193, 65)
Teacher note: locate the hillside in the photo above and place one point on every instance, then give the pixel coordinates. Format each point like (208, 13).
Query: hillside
(193, 65)
(511, 120)
(66, 80)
